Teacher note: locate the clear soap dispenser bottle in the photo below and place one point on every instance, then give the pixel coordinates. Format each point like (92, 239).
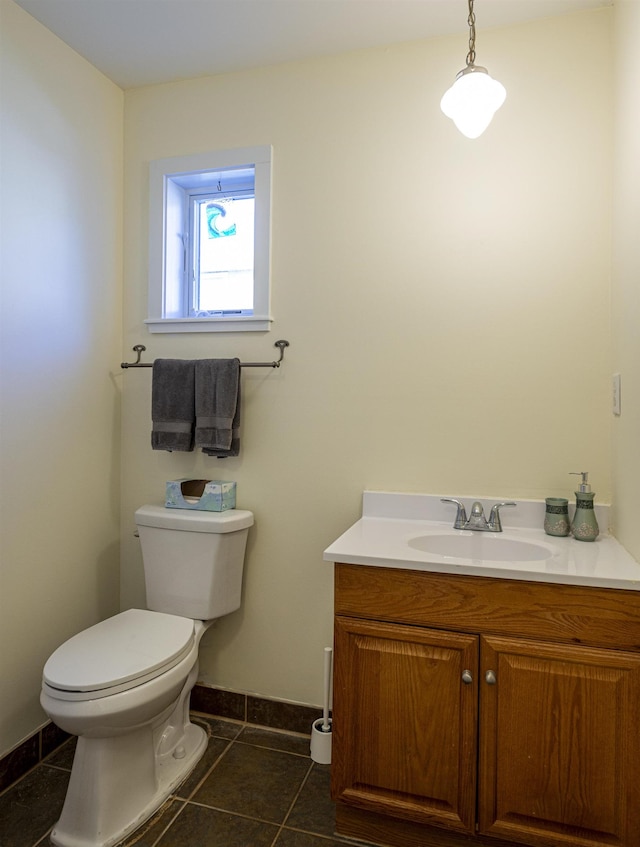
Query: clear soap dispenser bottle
(584, 526)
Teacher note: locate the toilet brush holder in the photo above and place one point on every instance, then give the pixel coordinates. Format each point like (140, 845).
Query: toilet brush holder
(321, 742)
(321, 728)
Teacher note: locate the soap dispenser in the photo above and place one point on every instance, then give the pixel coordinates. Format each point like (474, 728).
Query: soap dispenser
(584, 526)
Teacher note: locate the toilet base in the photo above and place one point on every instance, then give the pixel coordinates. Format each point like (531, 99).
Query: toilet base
(118, 783)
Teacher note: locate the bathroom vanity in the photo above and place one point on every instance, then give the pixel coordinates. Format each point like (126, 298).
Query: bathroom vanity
(483, 702)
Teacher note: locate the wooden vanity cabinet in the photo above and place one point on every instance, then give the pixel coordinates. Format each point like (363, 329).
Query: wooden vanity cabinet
(473, 711)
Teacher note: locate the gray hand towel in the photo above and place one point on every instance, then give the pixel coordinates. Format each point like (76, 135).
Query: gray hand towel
(173, 404)
(218, 406)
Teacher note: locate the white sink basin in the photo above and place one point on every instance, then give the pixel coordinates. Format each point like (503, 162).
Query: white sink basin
(488, 546)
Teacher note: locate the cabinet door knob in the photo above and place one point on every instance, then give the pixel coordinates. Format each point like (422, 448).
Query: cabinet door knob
(467, 678)
(490, 677)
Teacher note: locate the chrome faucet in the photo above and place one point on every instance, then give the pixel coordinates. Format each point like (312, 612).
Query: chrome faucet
(477, 521)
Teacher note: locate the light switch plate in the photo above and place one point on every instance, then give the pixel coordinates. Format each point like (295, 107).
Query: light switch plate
(616, 394)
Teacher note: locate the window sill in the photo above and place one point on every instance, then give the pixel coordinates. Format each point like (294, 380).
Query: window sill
(257, 323)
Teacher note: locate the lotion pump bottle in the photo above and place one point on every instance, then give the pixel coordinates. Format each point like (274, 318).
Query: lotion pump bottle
(584, 526)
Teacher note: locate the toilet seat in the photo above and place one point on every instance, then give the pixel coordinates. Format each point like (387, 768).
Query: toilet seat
(117, 654)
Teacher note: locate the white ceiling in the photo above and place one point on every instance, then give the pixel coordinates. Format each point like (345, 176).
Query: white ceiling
(143, 42)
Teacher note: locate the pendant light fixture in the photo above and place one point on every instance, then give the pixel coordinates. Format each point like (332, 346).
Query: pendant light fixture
(474, 97)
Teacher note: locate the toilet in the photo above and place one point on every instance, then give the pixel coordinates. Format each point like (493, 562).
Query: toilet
(123, 685)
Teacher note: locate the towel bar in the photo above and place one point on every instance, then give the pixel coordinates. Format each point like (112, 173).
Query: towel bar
(140, 348)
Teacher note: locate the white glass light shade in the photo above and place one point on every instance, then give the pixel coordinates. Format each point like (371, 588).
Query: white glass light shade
(472, 100)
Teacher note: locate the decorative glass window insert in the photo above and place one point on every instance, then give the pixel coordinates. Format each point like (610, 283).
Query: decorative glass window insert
(221, 256)
(209, 242)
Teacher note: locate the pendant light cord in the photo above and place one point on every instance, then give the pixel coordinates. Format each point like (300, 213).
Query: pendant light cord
(471, 20)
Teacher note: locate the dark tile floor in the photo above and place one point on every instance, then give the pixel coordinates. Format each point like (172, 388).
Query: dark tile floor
(253, 788)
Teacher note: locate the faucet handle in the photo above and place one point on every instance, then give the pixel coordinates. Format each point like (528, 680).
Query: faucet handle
(461, 515)
(494, 518)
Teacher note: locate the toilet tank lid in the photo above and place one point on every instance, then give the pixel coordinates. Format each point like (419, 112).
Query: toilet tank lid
(193, 520)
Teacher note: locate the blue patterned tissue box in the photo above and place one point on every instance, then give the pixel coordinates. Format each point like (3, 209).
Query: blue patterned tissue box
(206, 495)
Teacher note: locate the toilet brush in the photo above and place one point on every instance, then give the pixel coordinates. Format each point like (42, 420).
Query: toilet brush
(321, 728)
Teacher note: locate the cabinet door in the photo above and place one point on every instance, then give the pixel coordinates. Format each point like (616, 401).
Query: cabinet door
(405, 722)
(560, 744)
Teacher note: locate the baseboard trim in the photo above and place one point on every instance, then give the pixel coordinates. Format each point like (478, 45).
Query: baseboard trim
(249, 708)
(30, 753)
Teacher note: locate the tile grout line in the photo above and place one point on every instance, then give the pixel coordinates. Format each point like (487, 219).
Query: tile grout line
(233, 814)
(167, 827)
(206, 774)
(251, 817)
(44, 839)
(292, 804)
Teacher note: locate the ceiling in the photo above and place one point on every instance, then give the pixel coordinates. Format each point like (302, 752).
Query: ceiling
(144, 42)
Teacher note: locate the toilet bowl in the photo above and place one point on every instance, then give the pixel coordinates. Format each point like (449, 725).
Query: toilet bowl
(123, 685)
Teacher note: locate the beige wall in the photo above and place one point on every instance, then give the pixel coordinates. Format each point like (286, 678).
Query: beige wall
(60, 328)
(626, 273)
(447, 304)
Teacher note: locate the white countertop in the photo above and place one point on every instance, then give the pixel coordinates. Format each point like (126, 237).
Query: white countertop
(390, 521)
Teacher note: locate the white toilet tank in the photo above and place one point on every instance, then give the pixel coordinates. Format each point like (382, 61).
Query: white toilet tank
(193, 560)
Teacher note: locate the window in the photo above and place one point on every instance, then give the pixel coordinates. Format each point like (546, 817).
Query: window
(209, 242)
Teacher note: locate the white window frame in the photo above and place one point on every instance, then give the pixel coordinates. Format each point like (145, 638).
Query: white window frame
(169, 183)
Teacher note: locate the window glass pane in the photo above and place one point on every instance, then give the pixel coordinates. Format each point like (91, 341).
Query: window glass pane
(223, 265)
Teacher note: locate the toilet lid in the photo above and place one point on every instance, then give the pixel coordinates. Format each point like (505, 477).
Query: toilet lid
(134, 644)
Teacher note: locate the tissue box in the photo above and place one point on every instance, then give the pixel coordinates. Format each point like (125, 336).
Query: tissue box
(206, 495)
